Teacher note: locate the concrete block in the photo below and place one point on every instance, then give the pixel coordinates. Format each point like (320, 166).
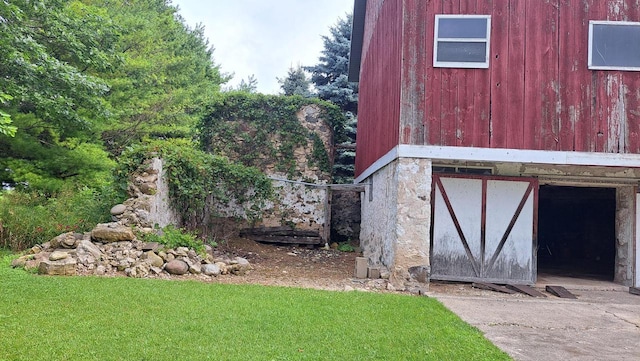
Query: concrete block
(361, 267)
(373, 272)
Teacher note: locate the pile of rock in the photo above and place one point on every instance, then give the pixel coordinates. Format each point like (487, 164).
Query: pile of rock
(111, 248)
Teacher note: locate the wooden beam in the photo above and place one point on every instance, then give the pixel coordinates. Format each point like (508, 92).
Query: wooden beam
(634, 290)
(278, 231)
(346, 146)
(287, 239)
(560, 292)
(527, 290)
(347, 188)
(492, 287)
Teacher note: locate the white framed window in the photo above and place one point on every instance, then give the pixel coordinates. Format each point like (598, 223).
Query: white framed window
(614, 45)
(461, 41)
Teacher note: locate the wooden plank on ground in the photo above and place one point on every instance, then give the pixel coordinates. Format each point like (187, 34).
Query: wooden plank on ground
(560, 292)
(278, 231)
(287, 239)
(492, 287)
(634, 290)
(527, 290)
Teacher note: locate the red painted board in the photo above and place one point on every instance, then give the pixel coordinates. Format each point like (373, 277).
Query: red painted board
(433, 79)
(516, 83)
(632, 97)
(449, 91)
(481, 101)
(541, 71)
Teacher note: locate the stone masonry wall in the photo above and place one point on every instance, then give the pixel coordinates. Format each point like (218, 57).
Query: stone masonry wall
(414, 221)
(379, 217)
(396, 222)
(296, 203)
(161, 212)
(148, 205)
(625, 214)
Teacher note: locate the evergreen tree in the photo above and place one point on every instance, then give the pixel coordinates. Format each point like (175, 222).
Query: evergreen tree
(330, 74)
(51, 56)
(248, 86)
(167, 73)
(330, 77)
(296, 83)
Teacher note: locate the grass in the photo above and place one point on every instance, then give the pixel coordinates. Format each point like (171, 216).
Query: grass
(91, 318)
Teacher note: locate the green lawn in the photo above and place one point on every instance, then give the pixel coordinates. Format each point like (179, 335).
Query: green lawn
(91, 318)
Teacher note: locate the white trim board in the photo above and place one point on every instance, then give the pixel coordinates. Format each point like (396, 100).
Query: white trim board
(471, 154)
(378, 164)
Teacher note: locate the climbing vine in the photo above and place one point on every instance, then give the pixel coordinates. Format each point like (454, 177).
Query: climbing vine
(199, 182)
(260, 130)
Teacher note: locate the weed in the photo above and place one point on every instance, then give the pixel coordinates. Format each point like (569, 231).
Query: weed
(346, 247)
(173, 237)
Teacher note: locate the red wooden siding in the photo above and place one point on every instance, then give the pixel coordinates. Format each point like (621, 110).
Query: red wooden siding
(537, 93)
(379, 107)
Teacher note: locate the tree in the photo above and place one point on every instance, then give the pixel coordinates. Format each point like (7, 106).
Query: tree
(248, 86)
(73, 82)
(5, 118)
(166, 76)
(296, 83)
(330, 77)
(330, 74)
(49, 53)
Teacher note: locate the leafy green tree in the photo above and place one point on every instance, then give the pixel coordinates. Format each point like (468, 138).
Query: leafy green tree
(296, 83)
(49, 53)
(330, 74)
(73, 81)
(5, 118)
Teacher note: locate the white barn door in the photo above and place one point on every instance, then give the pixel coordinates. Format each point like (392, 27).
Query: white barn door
(484, 229)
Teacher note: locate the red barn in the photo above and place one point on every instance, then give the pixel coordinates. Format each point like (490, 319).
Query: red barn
(499, 139)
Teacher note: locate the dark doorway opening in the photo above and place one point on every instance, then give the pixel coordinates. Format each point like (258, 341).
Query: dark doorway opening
(576, 231)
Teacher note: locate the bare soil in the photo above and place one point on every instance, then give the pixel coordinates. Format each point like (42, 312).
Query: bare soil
(295, 266)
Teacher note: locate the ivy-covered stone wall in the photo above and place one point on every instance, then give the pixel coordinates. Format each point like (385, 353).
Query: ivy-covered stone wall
(291, 140)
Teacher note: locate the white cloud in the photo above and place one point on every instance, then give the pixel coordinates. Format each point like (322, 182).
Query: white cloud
(264, 38)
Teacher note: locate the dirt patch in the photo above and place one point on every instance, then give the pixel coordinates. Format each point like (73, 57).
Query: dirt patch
(296, 266)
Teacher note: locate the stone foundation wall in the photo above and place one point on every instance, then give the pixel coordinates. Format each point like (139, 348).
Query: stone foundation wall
(414, 221)
(625, 235)
(300, 199)
(396, 221)
(379, 217)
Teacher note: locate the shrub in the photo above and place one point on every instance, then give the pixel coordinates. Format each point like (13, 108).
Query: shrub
(173, 237)
(197, 180)
(27, 219)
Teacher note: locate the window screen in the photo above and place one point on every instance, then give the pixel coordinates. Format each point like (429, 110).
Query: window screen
(462, 41)
(614, 45)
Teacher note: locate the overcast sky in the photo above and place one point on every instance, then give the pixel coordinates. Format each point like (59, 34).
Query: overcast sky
(264, 37)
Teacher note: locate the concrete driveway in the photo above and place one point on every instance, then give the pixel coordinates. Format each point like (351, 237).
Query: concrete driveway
(602, 324)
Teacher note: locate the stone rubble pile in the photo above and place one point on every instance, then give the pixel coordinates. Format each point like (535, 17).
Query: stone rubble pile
(112, 249)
